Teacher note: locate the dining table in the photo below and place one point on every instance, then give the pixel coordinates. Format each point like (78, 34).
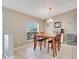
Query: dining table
(45, 35)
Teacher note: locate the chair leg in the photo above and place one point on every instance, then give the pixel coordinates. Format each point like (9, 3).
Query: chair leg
(44, 43)
(48, 48)
(40, 42)
(34, 48)
(35, 44)
(59, 45)
(51, 46)
(53, 49)
(53, 52)
(40, 47)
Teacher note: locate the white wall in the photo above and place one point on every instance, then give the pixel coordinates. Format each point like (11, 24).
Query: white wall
(14, 23)
(68, 22)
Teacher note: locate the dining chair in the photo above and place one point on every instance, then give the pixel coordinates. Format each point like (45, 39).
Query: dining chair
(39, 39)
(56, 43)
(53, 45)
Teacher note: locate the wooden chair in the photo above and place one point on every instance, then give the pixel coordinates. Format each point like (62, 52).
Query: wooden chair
(53, 46)
(40, 40)
(58, 41)
(57, 44)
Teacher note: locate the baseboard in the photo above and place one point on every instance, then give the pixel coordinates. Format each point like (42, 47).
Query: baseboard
(28, 41)
(18, 47)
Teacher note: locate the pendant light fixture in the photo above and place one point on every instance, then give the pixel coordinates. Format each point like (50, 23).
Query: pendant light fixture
(50, 19)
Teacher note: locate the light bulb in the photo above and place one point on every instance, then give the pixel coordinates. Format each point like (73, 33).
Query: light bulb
(51, 20)
(48, 21)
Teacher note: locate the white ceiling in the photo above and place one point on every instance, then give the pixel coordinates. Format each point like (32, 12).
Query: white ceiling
(40, 8)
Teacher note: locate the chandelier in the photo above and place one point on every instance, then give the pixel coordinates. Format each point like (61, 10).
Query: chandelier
(50, 19)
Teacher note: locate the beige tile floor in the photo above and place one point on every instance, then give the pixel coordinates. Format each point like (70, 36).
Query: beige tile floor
(27, 52)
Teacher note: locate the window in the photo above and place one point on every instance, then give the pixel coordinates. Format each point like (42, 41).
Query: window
(31, 28)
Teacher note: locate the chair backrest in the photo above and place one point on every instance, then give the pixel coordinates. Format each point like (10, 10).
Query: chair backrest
(58, 37)
(35, 34)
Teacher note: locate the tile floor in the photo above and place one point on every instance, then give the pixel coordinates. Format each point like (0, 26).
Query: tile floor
(27, 52)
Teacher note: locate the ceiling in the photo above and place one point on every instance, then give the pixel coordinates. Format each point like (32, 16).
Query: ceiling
(40, 8)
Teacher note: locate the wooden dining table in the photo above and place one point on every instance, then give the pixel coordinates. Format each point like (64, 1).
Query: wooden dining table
(45, 35)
